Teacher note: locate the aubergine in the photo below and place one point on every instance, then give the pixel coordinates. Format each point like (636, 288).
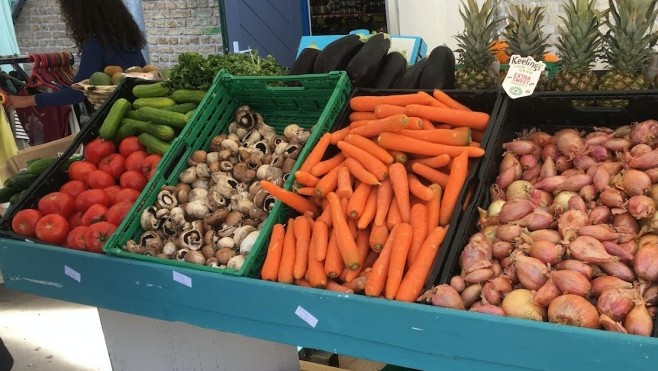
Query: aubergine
(305, 61)
(439, 73)
(365, 64)
(337, 54)
(393, 65)
(411, 76)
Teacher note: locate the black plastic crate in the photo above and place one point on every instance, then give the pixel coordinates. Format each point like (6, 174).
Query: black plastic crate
(548, 112)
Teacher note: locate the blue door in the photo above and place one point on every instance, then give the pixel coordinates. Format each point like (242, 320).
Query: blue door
(270, 26)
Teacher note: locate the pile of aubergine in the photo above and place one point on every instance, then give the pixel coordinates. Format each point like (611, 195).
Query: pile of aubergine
(371, 63)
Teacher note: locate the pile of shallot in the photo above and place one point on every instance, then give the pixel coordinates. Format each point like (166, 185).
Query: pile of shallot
(571, 233)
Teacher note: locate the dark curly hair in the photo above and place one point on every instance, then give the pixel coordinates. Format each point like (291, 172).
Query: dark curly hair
(108, 20)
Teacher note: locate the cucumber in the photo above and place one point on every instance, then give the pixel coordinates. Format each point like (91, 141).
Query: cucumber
(151, 90)
(160, 116)
(188, 116)
(159, 102)
(393, 65)
(337, 54)
(163, 132)
(182, 108)
(411, 76)
(21, 180)
(132, 114)
(39, 166)
(153, 144)
(188, 96)
(16, 196)
(365, 64)
(6, 194)
(439, 73)
(111, 123)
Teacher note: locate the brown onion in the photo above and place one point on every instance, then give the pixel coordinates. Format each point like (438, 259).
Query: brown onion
(590, 250)
(536, 220)
(494, 207)
(646, 161)
(576, 265)
(519, 304)
(602, 232)
(457, 283)
(502, 284)
(601, 178)
(546, 235)
(573, 310)
(617, 145)
(531, 272)
(571, 282)
(471, 294)
(546, 251)
(616, 303)
(600, 214)
(645, 132)
(610, 325)
(490, 295)
(479, 275)
(614, 249)
(640, 149)
(636, 182)
(518, 189)
(602, 283)
(443, 296)
(645, 264)
(502, 249)
(569, 142)
(611, 197)
(546, 294)
(488, 309)
(569, 223)
(641, 207)
(639, 321)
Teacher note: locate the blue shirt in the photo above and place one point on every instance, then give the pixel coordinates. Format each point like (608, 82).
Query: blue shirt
(94, 58)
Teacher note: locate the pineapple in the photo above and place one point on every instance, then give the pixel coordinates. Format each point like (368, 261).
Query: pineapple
(579, 43)
(475, 46)
(525, 37)
(628, 44)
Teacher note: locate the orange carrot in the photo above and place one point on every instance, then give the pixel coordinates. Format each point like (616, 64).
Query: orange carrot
(357, 284)
(386, 110)
(270, 270)
(375, 127)
(360, 116)
(370, 147)
(370, 259)
(326, 166)
(377, 278)
(333, 262)
(359, 172)
(302, 240)
(315, 272)
(378, 235)
(448, 101)
(475, 144)
(401, 243)
(427, 124)
(344, 183)
(357, 203)
(418, 189)
(369, 102)
(415, 278)
(430, 174)
(406, 144)
(418, 222)
(368, 161)
(400, 157)
(433, 102)
(320, 239)
(306, 191)
(295, 201)
(345, 241)
(384, 198)
(400, 184)
(456, 180)
(333, 286)
(327, 183)
(433, 162)
(364, 248)
(325, 217)
(287, 264)
(303, 282)
(477, 135)
(354, 230)
(368, 214)
(443, 126)
(414, 123)
(316, 153)
(358, 124)
(443, 136)
(305, 178)
(434, 207)
(471, 119)
(393, 217)
(340, 134)
(462, 129)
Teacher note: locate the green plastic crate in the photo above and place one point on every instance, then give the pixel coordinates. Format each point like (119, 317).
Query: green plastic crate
(316, 102)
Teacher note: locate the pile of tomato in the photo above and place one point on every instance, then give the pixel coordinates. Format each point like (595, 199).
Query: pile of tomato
(101, 189)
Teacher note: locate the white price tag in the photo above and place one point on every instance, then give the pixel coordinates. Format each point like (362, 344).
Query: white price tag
(72, 273)
(182, 279)
(522, 76)
(306, 316)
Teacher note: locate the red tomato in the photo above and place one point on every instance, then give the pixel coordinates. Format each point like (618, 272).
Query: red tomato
(25, 221)
(112, 191)
(126, 194)
(117, 212)
(90, 197)
(77, 238)
(73, 187)
(75, 220)
(133, 179)
(100, 179)
(53, 229)
(97, 149)
(135, 160)
(94, 214)
(80, 169)
(149, 164)
(113, 164)
(97, 234)
(129, 145)
(57, 203)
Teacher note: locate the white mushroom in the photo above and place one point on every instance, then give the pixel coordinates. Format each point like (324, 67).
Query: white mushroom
(231, 145)
(188, 175)
(148, 220)
(235, 262)
(296, 133)
(197, 194)
(242, 232)
(226, 242)
(248, 242)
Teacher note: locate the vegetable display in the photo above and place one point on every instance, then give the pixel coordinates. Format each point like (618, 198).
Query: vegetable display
(570, 235)
(375, 221)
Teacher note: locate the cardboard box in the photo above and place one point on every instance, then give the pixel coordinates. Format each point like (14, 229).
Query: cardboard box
(46, 150)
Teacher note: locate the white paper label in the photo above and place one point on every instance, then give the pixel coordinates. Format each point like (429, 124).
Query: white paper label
(522, 76)
(72, 273)
(182, 279)
(306, 316)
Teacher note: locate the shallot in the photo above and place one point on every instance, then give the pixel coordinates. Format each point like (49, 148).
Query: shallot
(600, 214)
(570, 221)
(488, 309)
(639, 321)
(610, 325)
(536, 220)
(573, 310)
(471, 294)
(602, 232)
(590, 250)
(522, 147)
(443, 296)
(546, 235)
(614, 249)
(571, 282)
(602, 283)
(646, 161)
(645, 132)
(546, 294)
(641, 207)
(457, 283)
(636, 182)
(645, 263)
(530, 271)
(518, 189)
(640, 149)
(569, 142)
(616, 303)
(650, 295)
(490, 295)
(576, 265)
(546, 251)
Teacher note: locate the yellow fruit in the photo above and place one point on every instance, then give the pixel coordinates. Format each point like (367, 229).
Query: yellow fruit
(111, 70)
(149, 68)
(117, 77)
(134, 69)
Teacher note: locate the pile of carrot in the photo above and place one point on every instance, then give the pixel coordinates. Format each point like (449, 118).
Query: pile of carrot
(373, 216)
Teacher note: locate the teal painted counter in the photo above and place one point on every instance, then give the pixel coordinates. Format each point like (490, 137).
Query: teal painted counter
(411, 335)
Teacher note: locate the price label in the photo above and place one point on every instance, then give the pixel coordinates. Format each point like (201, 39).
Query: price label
(72, 273)
(306, 316)
(182, 279)
(522, 76)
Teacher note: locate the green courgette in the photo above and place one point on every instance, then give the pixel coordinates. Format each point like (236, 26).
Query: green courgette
(188, 96)
(21, 180)
(6, 193)
(181, 108)
(163, 132)
(151, 90)
(132, 114)
(153, 144)
(39, 166)
(157, 102)
(160, 116)
(111, 123)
